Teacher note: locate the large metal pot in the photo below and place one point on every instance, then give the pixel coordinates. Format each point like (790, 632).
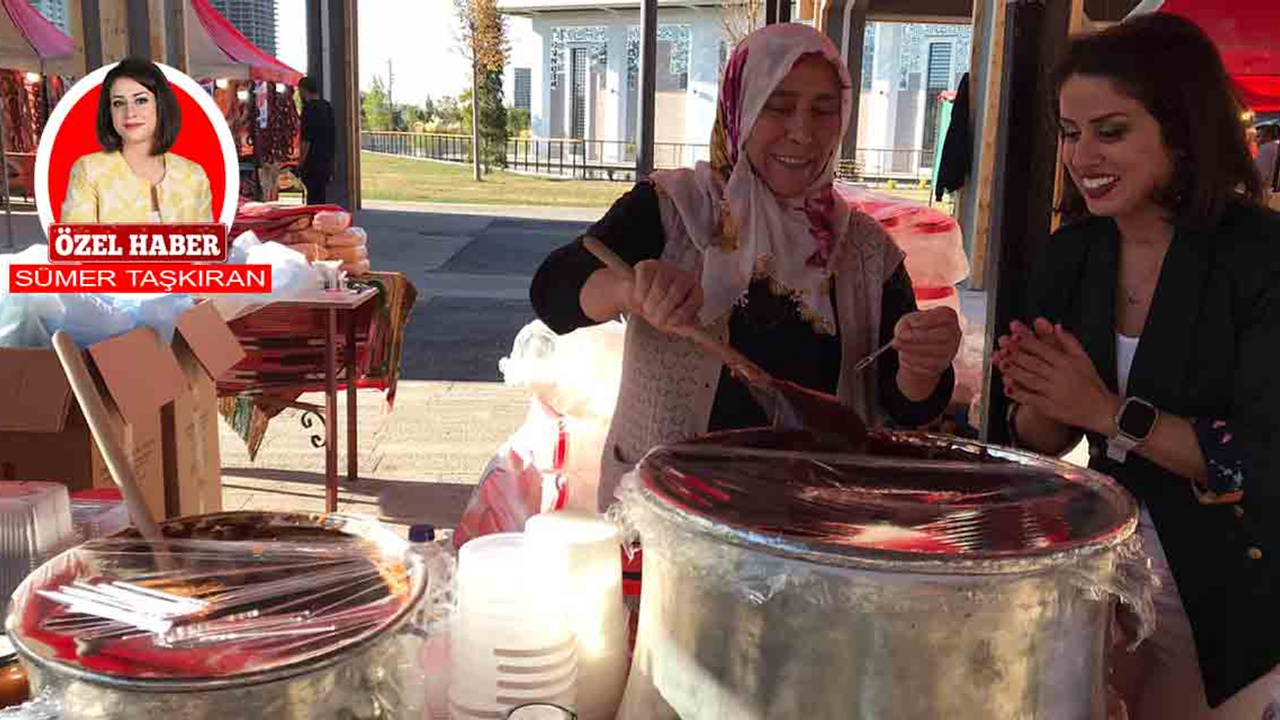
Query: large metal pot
(365, 678)
(957, 580)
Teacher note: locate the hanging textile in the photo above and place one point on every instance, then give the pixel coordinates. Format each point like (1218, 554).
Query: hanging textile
(275, 143)
(22, 115)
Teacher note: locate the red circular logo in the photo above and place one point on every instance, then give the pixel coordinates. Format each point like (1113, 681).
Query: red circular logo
(197, 141)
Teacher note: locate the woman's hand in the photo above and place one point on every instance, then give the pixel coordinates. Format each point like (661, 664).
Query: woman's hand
(1047, 369)
(927, 342)
(665, 295)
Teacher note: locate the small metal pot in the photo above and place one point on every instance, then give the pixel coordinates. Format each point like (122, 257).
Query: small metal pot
(365, 679)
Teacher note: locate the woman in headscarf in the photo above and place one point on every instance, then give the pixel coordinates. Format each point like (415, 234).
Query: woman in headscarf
(756, 246)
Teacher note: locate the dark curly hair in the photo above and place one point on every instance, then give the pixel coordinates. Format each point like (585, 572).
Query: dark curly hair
(1172, 68)
(168, 113)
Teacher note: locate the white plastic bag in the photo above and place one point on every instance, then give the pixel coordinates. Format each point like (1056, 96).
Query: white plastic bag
(29, 320)
(291, 275)
(575, 380)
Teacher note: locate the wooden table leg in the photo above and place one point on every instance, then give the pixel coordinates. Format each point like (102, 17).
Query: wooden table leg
(330, 412)
(353, 457)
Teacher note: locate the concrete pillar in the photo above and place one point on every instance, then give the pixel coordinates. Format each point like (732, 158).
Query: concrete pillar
(106, 32)
(974, 201)
(138, 27)
(332, 54)
(88, 51)
(113, 30)
(845, 22)
(1026, 171)
(648, 86)
(540, 92)
(615, 121)
(175, 33)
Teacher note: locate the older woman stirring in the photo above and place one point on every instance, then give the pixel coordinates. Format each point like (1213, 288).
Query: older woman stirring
(756, 246)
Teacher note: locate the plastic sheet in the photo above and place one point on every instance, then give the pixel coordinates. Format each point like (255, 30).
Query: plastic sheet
(316, 622)
(331, 221)
(511, 490)
(830, 617)
(351, 237)
(291, 275)
(574, 379)
(232, 607)
(759, 561)
(930, 238)
(45, 706)
(29, 320)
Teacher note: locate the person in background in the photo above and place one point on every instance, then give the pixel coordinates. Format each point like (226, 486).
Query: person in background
(1268, 153)
(756, 246)
(1154, 332)
(135, 178)
(319, 138)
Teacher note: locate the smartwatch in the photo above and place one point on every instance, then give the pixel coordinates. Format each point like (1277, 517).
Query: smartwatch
(1134, 423)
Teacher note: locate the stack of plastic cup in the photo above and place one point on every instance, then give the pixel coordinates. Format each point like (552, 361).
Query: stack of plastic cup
(510, 643)
(593, 598)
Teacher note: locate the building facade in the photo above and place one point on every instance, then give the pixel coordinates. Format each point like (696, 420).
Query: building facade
(255, 19)
(576, 69)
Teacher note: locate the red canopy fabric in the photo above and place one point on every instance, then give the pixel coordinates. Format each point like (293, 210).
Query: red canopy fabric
(44, 37)
(30, 43)
(237, 47)
(1247, 33)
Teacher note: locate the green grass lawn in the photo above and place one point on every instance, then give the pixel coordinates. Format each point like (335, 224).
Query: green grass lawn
(392, 178)
(384, 177)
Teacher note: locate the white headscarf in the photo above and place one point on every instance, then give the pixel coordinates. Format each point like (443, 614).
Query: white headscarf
(732, 216)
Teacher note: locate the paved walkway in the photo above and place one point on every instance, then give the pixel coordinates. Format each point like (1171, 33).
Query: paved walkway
(472, 267)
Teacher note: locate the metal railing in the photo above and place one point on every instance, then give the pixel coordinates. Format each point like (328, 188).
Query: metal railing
(560, 157)
(615, 159)
(880, 164)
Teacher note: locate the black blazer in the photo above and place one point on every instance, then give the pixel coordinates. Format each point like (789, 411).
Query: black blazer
(1210, 349)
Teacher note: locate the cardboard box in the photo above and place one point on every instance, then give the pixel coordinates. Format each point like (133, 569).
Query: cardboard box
(156, 396)
(205, 348)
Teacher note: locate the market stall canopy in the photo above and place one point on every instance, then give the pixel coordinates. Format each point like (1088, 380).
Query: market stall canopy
(217, 49)
(1246, 33)
(30, 42)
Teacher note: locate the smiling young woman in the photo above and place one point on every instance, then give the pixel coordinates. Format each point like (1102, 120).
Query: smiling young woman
(1153, 330)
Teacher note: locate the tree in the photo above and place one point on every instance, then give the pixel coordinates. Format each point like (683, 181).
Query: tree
(740, 18)
(428, 110)
(484, 43)
(411, 116)
(449, 116)
(517, 122)
(373, 107)
(494, 131)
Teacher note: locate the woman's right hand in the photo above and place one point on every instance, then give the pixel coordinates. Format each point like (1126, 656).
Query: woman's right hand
(665, 295)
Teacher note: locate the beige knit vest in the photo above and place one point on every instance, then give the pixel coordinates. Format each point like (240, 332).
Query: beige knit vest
(668, 384)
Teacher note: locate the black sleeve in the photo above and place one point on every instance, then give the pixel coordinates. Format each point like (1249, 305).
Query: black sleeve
(898, 299)
(632, 228)
(308, 123)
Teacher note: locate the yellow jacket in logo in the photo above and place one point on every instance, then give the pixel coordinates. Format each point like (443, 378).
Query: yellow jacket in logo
(103, 188)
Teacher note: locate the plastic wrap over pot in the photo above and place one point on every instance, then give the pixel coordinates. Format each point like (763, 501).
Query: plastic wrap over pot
(938, 579)
(231, 615)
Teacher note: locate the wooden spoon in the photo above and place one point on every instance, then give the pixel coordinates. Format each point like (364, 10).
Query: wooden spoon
(788, 405)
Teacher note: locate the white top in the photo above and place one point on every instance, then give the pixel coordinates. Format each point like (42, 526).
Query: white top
(1126, 347)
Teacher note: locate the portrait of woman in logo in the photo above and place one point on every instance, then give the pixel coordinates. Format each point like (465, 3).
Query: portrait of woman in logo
(136, 177)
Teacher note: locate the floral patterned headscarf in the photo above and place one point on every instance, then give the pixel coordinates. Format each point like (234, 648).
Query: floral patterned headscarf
(731, 215)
